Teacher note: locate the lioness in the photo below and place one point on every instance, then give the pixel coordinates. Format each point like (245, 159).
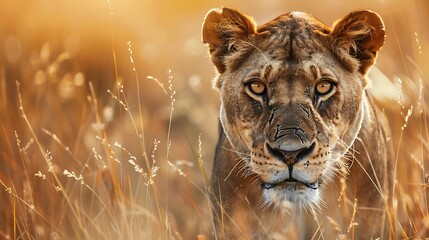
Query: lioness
(299, 131)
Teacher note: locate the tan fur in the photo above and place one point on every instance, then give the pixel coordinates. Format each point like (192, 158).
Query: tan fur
(279, 154)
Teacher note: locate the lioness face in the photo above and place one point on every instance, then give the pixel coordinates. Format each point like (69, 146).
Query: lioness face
(291, 95)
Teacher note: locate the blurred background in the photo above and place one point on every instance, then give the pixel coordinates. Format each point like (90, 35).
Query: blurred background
(67, 55)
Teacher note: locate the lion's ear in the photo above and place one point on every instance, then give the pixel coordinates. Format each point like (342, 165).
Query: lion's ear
(359, 34)
(222, 29)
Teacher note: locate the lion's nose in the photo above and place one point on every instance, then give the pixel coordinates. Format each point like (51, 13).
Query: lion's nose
(291, 139)
(292, 150)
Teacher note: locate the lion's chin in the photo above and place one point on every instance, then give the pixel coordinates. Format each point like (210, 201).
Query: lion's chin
(292, 194)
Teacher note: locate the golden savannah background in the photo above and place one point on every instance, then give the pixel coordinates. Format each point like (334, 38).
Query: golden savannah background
(108, 119)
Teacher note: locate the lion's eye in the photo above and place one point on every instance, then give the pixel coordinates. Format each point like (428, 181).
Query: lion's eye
(324, 87)
(257, 87)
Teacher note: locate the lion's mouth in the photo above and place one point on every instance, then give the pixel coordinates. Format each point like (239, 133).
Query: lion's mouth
(314, 185)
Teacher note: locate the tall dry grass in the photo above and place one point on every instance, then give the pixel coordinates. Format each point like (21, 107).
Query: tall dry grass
(100, 141)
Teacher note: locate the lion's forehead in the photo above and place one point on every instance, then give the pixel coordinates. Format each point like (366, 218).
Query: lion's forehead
(295, 36)
(309, 70)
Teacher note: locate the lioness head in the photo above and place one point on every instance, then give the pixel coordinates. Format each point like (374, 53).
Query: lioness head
(292, 94)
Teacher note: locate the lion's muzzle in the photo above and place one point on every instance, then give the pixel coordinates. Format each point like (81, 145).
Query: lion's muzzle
(292, 148)
(291, 132)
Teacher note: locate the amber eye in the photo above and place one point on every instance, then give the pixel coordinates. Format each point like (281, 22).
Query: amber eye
(257, 87)
(324, 87)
